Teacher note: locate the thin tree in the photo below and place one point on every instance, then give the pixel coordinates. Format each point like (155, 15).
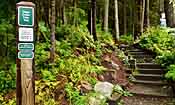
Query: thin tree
(125, 16)
(94, 19)
(106, 15)
(116, 21)
(147, 20)
(142, 16)
(53, 13)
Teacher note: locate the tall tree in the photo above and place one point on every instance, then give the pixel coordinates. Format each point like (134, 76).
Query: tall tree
(170, 13)
(116, 20)
(125, 16)
(139, 15)
(94, 19)
(53, 13)
(106, 15)
(142, 16)
(147, 20)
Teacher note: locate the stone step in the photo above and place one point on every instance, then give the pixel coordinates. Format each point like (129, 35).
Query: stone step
(136, 50)
(145, 60)
(142, 56)
(139, 53)
(148, 77)
(148, 66)
(141, 89)
(159, 83)
(146, 71)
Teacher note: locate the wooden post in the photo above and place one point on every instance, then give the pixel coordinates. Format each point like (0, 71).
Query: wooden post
(25, 51)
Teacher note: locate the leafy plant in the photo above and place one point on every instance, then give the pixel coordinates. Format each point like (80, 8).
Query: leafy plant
(171, 72)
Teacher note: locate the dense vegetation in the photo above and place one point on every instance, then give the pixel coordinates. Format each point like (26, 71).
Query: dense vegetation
(159, 40)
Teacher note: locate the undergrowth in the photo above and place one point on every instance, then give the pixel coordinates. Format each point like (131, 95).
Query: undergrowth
(160, 41)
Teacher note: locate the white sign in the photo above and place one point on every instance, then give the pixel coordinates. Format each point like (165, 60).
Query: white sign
(26, 34)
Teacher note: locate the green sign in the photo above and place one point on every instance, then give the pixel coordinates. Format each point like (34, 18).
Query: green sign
(25, 54)
(25, 16)
(25, 46)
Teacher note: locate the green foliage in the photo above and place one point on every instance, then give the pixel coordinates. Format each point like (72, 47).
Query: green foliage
(171, 72)
(128, 38)
(74, 95)
(4, 101)
(44, 92)
(158, 40)
(166, 58)
(8, 79)
(118, 89)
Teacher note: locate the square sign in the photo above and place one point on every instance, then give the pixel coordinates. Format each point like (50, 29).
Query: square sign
(25, 46)
(25, 16)
(26, 34)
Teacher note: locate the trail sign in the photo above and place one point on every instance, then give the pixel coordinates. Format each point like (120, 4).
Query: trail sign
(25, 16)
(26, 34)
(25, 46)
(25, 54)
(25, 94)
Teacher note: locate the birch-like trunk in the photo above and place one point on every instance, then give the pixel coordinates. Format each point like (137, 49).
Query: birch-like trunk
(106, 15)
(116, 20)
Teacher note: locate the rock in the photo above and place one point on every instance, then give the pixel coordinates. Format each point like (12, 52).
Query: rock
(104, 88)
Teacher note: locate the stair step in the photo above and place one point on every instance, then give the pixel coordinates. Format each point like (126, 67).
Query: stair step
(148, 65)
(139, 53)
(135, 50)
(164, 91)
(148, 77)
(146, 71)
(150, 82)
(142, 56)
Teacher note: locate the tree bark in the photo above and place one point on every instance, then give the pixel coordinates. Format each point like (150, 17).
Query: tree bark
(125, 17)
(170, 13)
(147, 21)
(139, 18)
(116, 21)
(90, 18)
(94, 20)
(53, 13)
(142, 16)
(106, 15)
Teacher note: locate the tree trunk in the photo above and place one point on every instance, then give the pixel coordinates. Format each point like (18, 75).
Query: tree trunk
(142, 16)
(147, 21)
(74, 12)
(170, 13)
(125, 17)
(53, 13)
(106, 15)
(90, 18)
(64, 19)
(94, 20)
(139, 17)
(116, 21)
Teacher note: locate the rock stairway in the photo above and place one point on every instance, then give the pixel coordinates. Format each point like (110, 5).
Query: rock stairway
(147, 76)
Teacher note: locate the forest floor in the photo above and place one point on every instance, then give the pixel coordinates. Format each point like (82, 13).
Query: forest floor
(147, 100)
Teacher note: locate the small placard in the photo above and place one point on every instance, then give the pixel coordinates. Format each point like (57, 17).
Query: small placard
(25, 46)
(26, 34)
(25, 54)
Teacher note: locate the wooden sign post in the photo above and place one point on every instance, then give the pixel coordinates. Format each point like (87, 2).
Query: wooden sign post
(25, 53)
